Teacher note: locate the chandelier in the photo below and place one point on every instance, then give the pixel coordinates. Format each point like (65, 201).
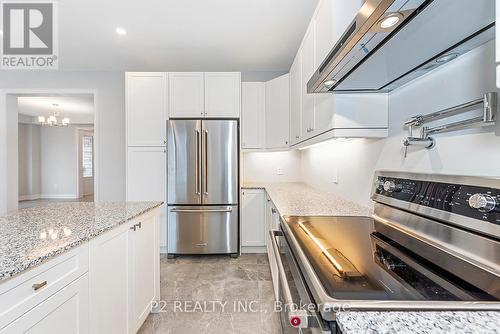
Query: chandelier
(53, 120)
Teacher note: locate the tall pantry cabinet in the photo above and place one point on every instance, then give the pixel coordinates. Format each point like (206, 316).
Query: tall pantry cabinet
(146, 121)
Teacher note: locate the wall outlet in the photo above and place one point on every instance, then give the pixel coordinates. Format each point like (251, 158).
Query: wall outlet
(279, 171)
(335, 176)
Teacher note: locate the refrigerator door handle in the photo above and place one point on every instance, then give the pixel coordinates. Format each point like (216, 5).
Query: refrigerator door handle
(201, 211)
(205, 190)
(197, 163)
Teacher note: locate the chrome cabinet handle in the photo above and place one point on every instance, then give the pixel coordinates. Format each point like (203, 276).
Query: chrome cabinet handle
(139, 225)
(38, 286)
(133, 228)
(273, 210)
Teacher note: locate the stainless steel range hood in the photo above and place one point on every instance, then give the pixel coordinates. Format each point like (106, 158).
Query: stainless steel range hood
(391, 42)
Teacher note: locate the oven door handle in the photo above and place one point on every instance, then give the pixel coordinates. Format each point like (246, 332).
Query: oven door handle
(298, 318)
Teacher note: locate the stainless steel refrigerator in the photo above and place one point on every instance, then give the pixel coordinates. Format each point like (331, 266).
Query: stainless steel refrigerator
(202, 177)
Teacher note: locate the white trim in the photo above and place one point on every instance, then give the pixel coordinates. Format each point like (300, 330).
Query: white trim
(59, 196)
(253, 249)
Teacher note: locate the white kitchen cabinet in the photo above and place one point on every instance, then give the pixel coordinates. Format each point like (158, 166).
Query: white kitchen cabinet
(124, 275)
(296, 100)
(108, 281)
(186, 94)
(253, 218)
(66, 311)
(253, 113)
(278, 112)
(222, 94)
(307, 69)
(143, 259)
(146, 180)
(272, 224)
(146, 108)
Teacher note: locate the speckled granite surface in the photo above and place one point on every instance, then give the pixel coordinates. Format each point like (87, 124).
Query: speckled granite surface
(30, 236)
(419, 322)
(298, 199)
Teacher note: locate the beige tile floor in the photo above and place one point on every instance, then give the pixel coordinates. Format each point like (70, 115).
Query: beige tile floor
(215, 280)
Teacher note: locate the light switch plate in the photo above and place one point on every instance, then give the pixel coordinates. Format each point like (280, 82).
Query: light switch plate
(279, 171)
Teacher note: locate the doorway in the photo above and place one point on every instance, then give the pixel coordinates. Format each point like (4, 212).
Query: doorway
(56, 161)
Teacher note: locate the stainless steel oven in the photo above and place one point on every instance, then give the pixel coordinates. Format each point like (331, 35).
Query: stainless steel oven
(298, 311)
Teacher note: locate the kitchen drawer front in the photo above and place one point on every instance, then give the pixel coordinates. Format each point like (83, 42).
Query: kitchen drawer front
(20, 294)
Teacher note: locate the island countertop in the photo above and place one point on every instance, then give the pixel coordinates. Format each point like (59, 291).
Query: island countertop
(31, 236)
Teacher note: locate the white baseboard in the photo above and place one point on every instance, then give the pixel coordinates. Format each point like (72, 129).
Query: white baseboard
(59, 196)
(29, 197)
(253, 249)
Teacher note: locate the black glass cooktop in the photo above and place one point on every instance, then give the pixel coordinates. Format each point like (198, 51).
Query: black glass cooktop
(354, 262)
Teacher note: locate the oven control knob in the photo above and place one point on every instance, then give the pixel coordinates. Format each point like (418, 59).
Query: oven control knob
(379, 184)
(390, 186)
(483, 202)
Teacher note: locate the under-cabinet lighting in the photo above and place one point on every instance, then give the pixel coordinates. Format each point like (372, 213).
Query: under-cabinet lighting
(390, 20)
(121, 31)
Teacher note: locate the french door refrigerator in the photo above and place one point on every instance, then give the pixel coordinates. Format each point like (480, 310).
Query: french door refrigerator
(203, 174)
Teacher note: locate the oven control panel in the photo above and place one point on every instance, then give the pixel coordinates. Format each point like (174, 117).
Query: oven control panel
(471, 201)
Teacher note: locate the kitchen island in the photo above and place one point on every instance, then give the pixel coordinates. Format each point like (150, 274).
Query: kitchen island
(79, 267)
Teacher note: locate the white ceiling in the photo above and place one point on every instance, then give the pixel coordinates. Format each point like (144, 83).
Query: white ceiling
(182, 35)
(79, 108)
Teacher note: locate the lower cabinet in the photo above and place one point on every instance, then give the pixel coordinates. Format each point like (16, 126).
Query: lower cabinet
(67, 311)
(253, 231)
(272, 224)
(124, 275)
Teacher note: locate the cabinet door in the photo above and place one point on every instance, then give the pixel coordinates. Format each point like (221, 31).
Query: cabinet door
(271, 214)
(146, 180)
(296, 100)
(307, 71)
(222, 94)
(253, 113)
(186, 94)
(146, 104)
(143, 271)
(253, 218)
(109, 267)
(146, 172)
(278, 112)
(65, 312)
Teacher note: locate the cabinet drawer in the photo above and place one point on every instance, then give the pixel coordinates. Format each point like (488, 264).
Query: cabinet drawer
(66, 312)
(20, 294)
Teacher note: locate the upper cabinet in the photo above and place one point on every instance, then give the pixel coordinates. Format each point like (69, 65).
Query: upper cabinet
(222, 94)
(209, 94)
(307, 70)
(278, 112)
(146, 108)
(253, 113)
(296, 100)
(186, 94)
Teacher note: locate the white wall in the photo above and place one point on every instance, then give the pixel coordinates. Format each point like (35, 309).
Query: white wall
(59, 162)
(263, 166)
(109, 88)
(29, 161)
(470, 152)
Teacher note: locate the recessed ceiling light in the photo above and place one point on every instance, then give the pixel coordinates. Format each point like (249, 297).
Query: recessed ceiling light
(390, 20)
(121, 31)
(446, 58)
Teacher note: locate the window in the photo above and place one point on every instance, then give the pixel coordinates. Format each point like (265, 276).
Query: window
(87, 163)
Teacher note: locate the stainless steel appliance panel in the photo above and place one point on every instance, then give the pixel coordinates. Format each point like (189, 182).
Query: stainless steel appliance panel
(202, 229)
(219, 162)
(184, 162)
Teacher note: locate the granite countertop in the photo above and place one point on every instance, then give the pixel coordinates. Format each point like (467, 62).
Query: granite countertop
(31, 236)
(302, 200)
(299, 199)
(444, 322)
